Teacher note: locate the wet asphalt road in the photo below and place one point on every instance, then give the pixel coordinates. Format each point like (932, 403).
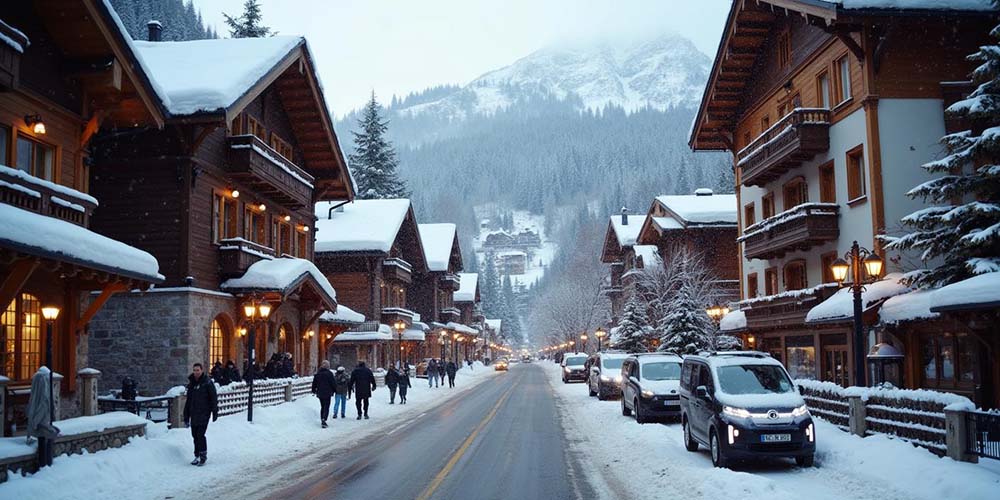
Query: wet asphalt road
(501, 440)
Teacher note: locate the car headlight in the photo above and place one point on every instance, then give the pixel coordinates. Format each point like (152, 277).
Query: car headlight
(735, 412)
(646, 393)
(566, 368)
(618, 379)
(800, 411)
(605, 378)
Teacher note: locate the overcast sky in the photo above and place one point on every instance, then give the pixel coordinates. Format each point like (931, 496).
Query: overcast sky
(400, 46)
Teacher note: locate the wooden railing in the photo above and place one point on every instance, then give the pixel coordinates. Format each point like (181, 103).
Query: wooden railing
(800, 135)
(800, 228)
(30, 193)
(253, 161)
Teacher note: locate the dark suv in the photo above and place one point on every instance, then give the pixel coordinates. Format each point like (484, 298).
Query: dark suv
(572, 367)
(650, 386)
(604, 374)
(743, 405)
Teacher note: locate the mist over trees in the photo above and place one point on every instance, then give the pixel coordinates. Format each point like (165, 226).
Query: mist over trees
(180, 20)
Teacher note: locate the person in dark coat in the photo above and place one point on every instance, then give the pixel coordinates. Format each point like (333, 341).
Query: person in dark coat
(218, 373)
(202, 402)
(451, 369)
(362, 384)
(432, 373)
(404, 384)
(441, 370)
(232, 373)
(392, 381)
(342, 386)
(324, 386)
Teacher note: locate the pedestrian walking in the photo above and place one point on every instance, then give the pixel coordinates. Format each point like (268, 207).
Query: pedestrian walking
(441, 371)
(432, 373)
(404, 384)
(324, 386)
(391, 381)
(362, 383)
(202, 402)
(342, 386)
(452, 369)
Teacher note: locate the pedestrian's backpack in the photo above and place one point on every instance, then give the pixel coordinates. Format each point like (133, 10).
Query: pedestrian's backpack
(129, 388)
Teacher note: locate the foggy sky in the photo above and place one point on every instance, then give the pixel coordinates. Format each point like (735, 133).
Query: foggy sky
(400, 46)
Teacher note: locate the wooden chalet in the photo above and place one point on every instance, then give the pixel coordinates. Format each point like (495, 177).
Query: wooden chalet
(703, 224)
(432, 294)
(226, 183)
(619, 255)
(371, 251)
(829, 111)
(64, 73)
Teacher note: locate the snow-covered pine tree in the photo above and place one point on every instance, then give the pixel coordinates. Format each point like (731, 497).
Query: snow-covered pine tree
(489, 288)
(511, 316)
(248, 24)
(633, 327)
(685, 328)
(374, 159)
(965, 235)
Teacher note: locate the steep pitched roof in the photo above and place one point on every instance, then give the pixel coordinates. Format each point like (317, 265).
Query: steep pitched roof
(440, 242)
(714, 209)
(362, 226)
(468, 289)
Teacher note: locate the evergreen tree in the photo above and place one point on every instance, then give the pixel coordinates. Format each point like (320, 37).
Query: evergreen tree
(180, 20)
(248, 25)
(510, 314)
(633, 328)
(964, 235)
(685, 328)
(374, 159)
(489, 288)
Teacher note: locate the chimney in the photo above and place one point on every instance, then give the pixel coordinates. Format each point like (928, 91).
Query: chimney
(703, 192)
(624, 216)
(155, 30)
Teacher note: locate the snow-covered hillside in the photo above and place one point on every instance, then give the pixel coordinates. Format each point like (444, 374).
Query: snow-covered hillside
(663, 72)
(537, 259)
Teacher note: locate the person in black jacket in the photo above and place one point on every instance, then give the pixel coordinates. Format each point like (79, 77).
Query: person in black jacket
(362, 383)
(404, 384)
(202, 402)
(232, 373)
(452, 369)
(218, 373)
(391, 381)
(324, 387)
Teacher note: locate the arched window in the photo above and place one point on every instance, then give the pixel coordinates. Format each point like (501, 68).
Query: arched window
(21, 325)
(216, 342)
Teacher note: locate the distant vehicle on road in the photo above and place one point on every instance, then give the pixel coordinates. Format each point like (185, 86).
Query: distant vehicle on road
(604, 376)
(743, 405)
(500, 366)
(651, 386)
(526, 359)
(573, 367)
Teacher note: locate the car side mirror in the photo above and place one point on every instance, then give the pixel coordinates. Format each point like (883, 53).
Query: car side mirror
(701, 391)
(802, 390)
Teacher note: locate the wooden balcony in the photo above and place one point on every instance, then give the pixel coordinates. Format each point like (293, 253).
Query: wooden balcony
(10, 57)
(30, 193)
(796, 138)
(236, 255)
(450, 281)
(784, 310)
(397, 269)
(449, 314)
(268, 173)
(800, 228)
(390, 315)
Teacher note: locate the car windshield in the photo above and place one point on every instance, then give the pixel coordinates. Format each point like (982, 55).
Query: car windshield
(613, 363)
(754, 379)
(662, 370)
(575, 360)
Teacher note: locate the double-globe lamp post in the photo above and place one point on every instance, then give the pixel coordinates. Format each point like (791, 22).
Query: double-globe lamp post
(50, 313)
(399, 326)
(600, 333)
(253, 312)
(583, 341)
(866, 267)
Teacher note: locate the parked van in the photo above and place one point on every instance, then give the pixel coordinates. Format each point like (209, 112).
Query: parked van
(743, 405)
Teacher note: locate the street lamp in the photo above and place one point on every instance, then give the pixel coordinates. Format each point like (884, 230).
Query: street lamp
(253, 312)
(583, 341)
(867, 267)
(50, 313)
(399, 326)
(717, 312)
(600, 333)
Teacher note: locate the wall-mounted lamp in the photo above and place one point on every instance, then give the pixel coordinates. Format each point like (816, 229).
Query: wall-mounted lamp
(262, 207)
(235, 193)
(287, 218)
(35, 123)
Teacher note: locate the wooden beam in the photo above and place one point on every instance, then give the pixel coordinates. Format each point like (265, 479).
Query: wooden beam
(17, 276)
(845, 37)
(95, 306)
(93, 125)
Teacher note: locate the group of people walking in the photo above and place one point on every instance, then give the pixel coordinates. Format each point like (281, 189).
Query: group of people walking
(436, 371)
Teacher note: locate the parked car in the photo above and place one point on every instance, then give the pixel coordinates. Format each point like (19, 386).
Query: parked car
(573, 367)
(500, 366)
(526, 359)
(651, 386)
(743, 405)
(604, 374)
(421, 370)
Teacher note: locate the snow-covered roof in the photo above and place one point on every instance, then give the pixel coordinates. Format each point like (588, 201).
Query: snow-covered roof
(907, 307)
(977, 292)
(650, 255)
(54, 238)
(702, 209)
(734, 321)
(13, 37)
(626, 234)
(437, 240)
(344, 314)
(208, 75)
(494, 324)
(361, 226)
(281, 275)
(460, 328)
(960, 5)
(840, 306)
(667, 223)
(383, 333)
(416, 334)
(468, 284)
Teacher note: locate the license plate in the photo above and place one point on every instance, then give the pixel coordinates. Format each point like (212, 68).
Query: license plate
(671, 403)
(775, 438)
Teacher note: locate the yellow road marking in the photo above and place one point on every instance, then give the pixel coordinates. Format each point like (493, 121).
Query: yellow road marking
(439, 478)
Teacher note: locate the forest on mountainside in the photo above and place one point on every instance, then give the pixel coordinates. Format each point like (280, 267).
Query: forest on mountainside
(180, 20)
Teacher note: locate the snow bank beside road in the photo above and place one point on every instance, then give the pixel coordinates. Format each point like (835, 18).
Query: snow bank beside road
(643, 461)
(157, 467)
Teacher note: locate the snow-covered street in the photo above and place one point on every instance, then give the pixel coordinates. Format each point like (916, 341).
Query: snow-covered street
(241, 456)
(628, 460)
